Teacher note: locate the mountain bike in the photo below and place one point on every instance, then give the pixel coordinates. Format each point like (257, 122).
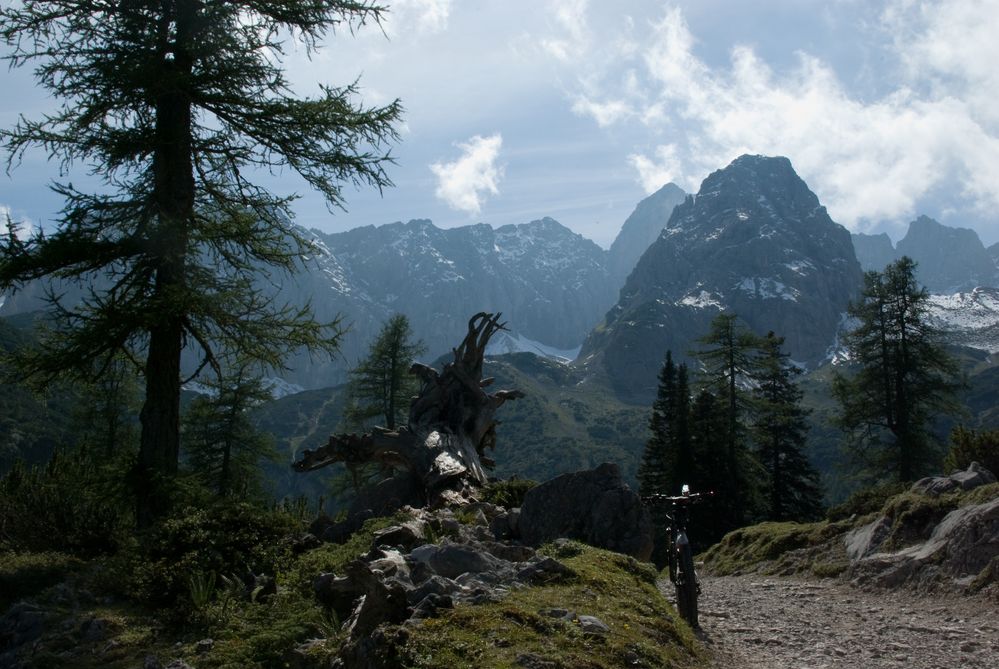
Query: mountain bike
(681, 556)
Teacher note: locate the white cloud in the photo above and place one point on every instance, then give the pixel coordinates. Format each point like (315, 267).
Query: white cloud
(23, 225)
(570, 16)
(869, 160)
(421, 16)
(464, 183)
(656, 173)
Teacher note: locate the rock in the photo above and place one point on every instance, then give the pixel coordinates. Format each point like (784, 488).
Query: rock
(336, 593)
(559, 614)
(594, 506)
(546, 570)
(151, 662)
(22, 624)
(453, 560)
(435, 585)
(390, 563)
(500, 526)
(975, 475)
(94, 629)
(204, 646)
(305, 542)
(382, 601)
(592, 625)
(406, 536)
(866, 540)
(431, 604)
(962, 545)
(509, 552)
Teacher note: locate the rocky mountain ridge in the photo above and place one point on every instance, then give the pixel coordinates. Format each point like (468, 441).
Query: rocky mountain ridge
(949, 259)
(754, 241)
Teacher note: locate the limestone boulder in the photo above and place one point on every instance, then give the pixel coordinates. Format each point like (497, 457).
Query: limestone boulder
(593, 506)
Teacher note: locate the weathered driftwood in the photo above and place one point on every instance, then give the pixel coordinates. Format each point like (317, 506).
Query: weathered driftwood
(450, 425)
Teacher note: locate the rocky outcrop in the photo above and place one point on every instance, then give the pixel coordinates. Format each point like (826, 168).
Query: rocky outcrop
(640, 230)
(949, 260)
(931, 542)
(874, 252)
(754, 241)
(975, 475)
(405, 578)
(593, 506)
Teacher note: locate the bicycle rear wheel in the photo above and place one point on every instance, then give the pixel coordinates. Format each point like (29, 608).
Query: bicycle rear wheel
(686, 584)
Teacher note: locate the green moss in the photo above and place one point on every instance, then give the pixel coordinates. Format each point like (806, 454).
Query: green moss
(617, 589)
(26, 574)
(980, 495)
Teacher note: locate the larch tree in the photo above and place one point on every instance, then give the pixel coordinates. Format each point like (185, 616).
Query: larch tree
(904, 377)
(176, 105)
(780, 428)
(381, 385)
(728, 363)
(223, 446)
(653, 470)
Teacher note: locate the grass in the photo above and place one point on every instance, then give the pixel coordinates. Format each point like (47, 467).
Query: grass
(645, 630)
(817, 548)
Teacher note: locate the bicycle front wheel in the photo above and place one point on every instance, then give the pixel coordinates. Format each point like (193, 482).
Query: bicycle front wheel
(686, 585)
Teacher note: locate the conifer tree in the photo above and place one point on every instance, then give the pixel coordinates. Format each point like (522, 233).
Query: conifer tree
(381, 385)
(177, 105)
(225, 449)
(728, 364)
(779, 428)
(905, 377)
(654, 469)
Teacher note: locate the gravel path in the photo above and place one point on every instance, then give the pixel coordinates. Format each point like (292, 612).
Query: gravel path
(784, 623)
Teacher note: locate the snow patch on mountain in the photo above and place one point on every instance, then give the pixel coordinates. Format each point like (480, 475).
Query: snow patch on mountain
(512, 342)
(969, 318)
(767, 289)
(701, 300)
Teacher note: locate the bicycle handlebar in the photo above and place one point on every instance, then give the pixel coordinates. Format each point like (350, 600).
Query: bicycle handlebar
(679, 499)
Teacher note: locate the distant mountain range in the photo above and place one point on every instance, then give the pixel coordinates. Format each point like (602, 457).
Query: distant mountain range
(754, 240)
(949, 260)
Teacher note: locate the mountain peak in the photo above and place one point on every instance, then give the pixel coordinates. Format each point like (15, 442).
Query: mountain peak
(641, 228)
(754, 241)
(949, 259)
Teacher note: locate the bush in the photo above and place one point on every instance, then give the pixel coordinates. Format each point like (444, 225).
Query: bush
(866, 501)
(509, 493)
(227, 538)
(967, 446)
(25, 574)
(72, 504)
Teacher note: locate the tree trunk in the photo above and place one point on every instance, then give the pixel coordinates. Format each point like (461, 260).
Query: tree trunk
(173, 192)
(450, 426)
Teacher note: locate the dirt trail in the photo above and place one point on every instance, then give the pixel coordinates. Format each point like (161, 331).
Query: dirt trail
(784, 623)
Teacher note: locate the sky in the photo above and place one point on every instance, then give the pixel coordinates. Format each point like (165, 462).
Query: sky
(577, 109)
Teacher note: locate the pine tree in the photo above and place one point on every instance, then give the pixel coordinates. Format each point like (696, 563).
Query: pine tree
(779, 428)
(728, 365)
(224, 448)
(709, 445)
(381, 385)
(904, 378)
(655, 467)
(176, 105)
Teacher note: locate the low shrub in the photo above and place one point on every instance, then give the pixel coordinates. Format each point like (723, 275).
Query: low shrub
(866, 501)
(509, 493)
(228, 538)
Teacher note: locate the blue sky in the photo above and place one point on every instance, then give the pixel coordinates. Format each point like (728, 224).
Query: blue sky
(576, 109)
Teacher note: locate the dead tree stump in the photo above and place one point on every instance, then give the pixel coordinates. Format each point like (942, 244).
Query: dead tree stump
(450, 426)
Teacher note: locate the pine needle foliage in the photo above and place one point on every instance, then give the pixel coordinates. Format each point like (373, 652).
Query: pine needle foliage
(904, 378)
(381, 385)
(176, 106)
(780, 429)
